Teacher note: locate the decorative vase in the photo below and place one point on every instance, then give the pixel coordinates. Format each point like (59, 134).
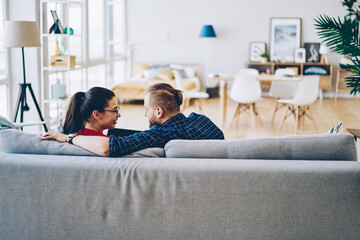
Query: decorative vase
(58, 90)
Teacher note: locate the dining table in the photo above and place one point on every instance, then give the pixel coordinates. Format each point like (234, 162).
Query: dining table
(224, 79)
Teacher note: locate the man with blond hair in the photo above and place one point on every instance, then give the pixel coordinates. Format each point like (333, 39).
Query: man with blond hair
(162, 109)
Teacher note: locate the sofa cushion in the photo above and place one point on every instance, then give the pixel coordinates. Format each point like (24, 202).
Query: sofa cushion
(300, 147)
(16, 141)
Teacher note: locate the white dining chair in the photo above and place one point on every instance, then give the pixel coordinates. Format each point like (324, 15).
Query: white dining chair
(299, 105)
(281, 89)
(246, 91)
(195, 95)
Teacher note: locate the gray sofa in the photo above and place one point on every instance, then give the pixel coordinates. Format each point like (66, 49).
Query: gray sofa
(293, 187)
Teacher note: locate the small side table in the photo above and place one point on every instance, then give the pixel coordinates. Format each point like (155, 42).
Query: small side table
(354, 132)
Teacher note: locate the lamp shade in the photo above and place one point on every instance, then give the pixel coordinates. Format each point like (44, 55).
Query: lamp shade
(323, 49)
(207, 31)
(21, 34)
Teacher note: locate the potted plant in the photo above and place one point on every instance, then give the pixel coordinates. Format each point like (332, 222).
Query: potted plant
(264, 57)
(341, 35)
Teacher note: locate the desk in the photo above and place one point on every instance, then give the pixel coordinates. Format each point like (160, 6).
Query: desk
(225, 78)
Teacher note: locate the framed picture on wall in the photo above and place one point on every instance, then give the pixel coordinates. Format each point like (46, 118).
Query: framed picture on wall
(300, 55)
(312, 52)
(256, 49)
(285, 35)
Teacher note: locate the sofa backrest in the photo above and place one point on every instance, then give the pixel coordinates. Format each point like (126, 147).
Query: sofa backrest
(16, 141)
(299, 147)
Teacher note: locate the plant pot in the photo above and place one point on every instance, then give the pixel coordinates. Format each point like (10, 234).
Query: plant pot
(263, 60)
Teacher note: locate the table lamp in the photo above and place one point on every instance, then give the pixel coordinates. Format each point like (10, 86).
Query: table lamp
(323, 51)
(207, 31)
(23, 34)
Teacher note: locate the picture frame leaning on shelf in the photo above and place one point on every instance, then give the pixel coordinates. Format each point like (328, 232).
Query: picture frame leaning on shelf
(312, 52)
(300, 55)
(56, 22)
(285, 35)
(256, 49)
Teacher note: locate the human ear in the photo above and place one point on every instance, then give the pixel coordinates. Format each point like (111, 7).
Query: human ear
(159, 112)
(96, 115)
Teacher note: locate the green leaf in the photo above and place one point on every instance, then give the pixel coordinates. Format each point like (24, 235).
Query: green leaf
(341, 35)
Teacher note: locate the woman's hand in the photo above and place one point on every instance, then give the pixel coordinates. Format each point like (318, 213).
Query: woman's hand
(56, 136)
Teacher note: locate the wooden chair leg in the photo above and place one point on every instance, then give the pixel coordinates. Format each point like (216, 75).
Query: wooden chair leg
(252, 115)
(185, 103)
(236, 114)
(303, 115)
(297, 110)
(198, 102)
(257, 114)
(241, 108)
(282, 122)
(313, 120)
(275, 110)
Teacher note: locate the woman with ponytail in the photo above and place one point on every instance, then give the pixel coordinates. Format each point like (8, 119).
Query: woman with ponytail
(162, 109)
(91, 112)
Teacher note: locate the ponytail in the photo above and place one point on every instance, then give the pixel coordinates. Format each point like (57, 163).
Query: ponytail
(74, 120)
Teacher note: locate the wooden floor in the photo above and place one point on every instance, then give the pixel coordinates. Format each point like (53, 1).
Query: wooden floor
(327, 113)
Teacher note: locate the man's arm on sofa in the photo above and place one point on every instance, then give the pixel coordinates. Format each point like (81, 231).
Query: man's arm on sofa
(95, 144)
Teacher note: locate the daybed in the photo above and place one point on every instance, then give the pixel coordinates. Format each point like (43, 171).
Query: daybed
(273, 188)
(146, 74)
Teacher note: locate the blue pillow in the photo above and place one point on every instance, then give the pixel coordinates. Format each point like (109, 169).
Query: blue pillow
(315, 71)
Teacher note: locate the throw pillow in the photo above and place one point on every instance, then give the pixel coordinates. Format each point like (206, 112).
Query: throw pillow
(15, 141)
(165, 74)
(150, 73)
(6, 124)
(190, 72)
(182, 73)
(140, 68)
(336, 129)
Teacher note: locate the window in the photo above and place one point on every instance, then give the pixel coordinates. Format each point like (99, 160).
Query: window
(4, 82)
(106, 42)
(96, 30)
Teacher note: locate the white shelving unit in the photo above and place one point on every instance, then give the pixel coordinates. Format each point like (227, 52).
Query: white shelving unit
(72, 14)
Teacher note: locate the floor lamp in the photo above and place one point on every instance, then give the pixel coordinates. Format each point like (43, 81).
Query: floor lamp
(207, 31)
(23, 34)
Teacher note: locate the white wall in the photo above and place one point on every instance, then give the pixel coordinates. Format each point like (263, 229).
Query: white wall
(169, 29)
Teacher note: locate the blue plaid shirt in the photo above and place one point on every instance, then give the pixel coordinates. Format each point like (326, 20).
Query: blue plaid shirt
(196, 126)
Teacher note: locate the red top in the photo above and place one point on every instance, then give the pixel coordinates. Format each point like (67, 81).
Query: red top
(89, 132)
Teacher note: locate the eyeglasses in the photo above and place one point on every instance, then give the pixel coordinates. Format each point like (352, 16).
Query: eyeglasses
(116, 110)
